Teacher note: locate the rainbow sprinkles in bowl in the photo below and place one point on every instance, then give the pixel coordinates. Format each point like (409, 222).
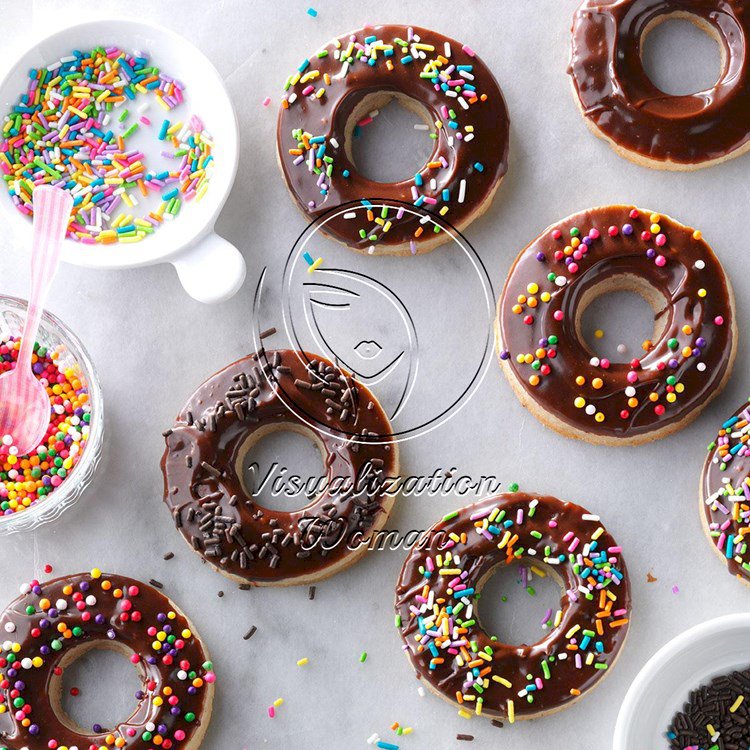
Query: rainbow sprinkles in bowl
(96, 123)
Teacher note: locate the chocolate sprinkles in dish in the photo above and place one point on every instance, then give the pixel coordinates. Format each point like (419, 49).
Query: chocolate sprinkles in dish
(207, 450)
(716, 715)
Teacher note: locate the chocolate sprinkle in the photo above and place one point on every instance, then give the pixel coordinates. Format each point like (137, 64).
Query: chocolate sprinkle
(156, 584)
(169, 555)
(724, 704)
(311, 593)
(465, 737)
(250, 633)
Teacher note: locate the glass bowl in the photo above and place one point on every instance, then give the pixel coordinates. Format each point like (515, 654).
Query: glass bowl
(55, 335)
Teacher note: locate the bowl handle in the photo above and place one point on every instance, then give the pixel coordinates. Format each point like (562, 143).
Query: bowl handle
(212, 270)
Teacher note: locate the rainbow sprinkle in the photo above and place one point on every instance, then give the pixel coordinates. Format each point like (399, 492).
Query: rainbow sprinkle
(28, 479)
(64, 131)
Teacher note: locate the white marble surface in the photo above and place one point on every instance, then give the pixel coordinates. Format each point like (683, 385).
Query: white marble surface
(153, 344)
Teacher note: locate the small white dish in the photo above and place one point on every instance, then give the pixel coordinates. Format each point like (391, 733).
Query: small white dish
(662, 687)
(210, 268)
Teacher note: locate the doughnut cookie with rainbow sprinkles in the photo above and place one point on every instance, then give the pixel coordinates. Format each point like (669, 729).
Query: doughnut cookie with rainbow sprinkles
(339, 89)
(615, 248)
(725, 492)
(52, 624)
(74, 127)
(442, 580)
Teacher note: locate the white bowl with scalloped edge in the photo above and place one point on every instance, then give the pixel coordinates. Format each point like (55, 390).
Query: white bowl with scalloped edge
(662, 687)
(210, 268)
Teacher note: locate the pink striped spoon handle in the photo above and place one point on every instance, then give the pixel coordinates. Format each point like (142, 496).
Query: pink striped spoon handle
(52, 207)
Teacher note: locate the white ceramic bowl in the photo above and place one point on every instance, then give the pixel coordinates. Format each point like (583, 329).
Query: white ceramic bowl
(693, 658)
(210, 268)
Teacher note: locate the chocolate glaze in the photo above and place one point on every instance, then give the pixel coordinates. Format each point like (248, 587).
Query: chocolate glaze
(461, 148)
(558, 525)
(620, 100)
(725, 491)
(209, 502)
(101, 625)
(623, 261)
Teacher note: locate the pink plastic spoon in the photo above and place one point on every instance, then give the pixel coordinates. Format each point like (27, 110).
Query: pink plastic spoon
(24, 403)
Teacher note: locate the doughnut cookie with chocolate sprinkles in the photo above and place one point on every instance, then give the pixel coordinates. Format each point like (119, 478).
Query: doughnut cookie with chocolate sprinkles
(208, 446)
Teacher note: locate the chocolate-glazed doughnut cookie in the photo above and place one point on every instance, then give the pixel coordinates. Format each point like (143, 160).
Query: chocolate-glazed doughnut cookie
(641, 122)
(206, 453)
(614, 248)
(53, 623)
(334, 91)
(442, 579)
(725, 492)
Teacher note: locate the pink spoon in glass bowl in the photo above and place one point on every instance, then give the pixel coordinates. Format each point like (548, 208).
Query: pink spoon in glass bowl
(24, 403)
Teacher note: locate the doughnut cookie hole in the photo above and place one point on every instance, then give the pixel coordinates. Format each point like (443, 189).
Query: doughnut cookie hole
(511, 613)
(390, 149)
(274, 444)
(703, 62)
(113, 690)
(624, 283)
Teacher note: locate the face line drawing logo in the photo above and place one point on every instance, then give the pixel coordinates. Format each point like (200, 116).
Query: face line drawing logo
(368, 343)
(279, 391)
(407, 319)
(293, 258)
(383, 371)
(344, 305)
